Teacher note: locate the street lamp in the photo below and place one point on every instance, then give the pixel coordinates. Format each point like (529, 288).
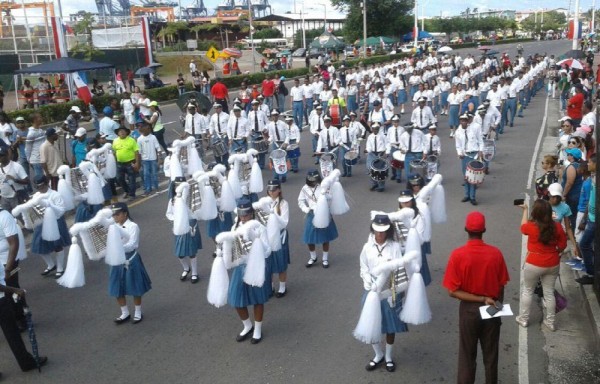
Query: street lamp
(303, 30)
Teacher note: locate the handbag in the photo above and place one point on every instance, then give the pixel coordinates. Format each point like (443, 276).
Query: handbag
(561, 300)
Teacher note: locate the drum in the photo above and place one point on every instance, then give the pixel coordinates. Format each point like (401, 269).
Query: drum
(475, 172)
(418, 167)
(351, 158)
(489, 149)
(379, 169)
(432, 166)
(334, 112)
(327, 163)
(260, 144)
(278, 161)
(219, 148)
(293, 151)
(398, 160)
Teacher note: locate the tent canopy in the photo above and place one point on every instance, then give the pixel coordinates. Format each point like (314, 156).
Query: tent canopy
(64, 65)
(376, 40)
(327, 41)
(422, 35)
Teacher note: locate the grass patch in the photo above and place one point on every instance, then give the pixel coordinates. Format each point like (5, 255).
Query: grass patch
(173, 65)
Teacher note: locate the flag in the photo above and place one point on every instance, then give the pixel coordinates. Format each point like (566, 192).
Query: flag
(83, 92)
(68, 29)
(147, 41)
(58, 35)
(381, 42)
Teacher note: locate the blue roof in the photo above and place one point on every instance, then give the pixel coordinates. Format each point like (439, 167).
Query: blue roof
(65, 65)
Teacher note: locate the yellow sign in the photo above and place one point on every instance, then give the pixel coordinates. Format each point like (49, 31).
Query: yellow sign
(212, 54)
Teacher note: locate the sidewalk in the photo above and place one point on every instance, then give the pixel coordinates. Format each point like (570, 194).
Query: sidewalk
(573, 349)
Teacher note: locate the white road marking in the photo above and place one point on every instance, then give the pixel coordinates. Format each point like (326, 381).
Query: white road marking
(537, 147)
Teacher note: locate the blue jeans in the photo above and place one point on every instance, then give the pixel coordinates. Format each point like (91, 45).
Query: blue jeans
(307, 108)
(150, 172)
(511, 110)
(522, 103)
(38, 170)
(281, 102)
(126, 178)
(25, 164)
(470, 189)
(240, 146)
(297, 110)
(269, 102)
(346, 168)
(586, 245)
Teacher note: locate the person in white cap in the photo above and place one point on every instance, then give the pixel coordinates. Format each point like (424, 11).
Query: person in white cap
(329, 138)
(491, 120)
(257, 122)
(393, 144)
(218, 131)
(293, 153)
(468, 141)
(348, 142)
(375, 149)
(194, 124)
(279, 138)
(79, 147)
(237, 131)
(422, 116)
(411, 144)
(71, 123)
(316, 126)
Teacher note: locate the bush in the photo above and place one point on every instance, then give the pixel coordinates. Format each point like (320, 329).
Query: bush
(257, 78)
(489, 42)
(51, 113)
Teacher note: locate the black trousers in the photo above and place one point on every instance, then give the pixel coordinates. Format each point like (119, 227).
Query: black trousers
(13, 336)
(13, 281)
(474, 330)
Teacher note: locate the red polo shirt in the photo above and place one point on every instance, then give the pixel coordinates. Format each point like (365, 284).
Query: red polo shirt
(574, 106)
(540, 254)
(219, 90)
(268, 88)
(476, 268)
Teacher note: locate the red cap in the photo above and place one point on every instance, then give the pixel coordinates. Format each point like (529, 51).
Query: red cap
(475, 222)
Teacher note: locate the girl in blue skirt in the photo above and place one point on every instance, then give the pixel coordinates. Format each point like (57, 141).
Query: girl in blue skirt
(407, 200)
(402, 96)
(281, 258)
(131, 278)
(307, 201)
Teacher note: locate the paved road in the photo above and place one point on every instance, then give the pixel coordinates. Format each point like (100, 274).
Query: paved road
(307, 334)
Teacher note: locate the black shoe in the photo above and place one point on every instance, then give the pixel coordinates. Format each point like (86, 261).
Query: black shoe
(243, 337)
(380, 189)
(195, 279)
(41, 361)
(325, 264)
(48, 270)
(138, 319)
(373, 187)
(465, 199)
(255, 341)
(58, 275)
(214, 255)
(372, 365)
(474, 202)
(279, 295)
(184, 275)
(585, 280)
(121, 320)
(311, 262)
(390, 366)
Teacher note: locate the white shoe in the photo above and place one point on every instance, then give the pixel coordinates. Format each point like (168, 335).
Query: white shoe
(521, 321)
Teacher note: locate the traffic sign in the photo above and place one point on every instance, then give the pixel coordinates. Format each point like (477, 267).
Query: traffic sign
(212, 54)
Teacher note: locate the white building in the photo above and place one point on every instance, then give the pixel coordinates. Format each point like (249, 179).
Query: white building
(290, 23)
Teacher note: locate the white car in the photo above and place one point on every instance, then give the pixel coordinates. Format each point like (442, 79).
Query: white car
(407, 48)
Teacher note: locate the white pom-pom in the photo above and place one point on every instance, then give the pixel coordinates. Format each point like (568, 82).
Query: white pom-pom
(256, 179)
(181, 220)
(368, 329)
(74, 275)
(175, 168)
(50, 230)
(227, 201)
(438, 204)
(94, 194)
(339, 206)
(425, 213)
(218, 284)
(255, 267)
(274, 233)
(194, 161)
(208, 208)
(322, 215)
(65, 191)
(234, 180)
(416, 308)
(110, 172)
(167, 167)
(115, 254)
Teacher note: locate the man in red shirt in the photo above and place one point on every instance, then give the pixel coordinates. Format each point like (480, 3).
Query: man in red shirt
(476, 275)
(130, 79)
(268, 89)
(220, 94)
(574, 105)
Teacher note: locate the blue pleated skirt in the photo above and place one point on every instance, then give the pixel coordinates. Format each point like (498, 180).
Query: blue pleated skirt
(216, 225)
(241, 295)
(444, 98)
(314, 235)
(402, 97)
(43, 247)
(268, 285)
(188, 245)
(453, 116)
(425, 266)
(390, 317)
(130, 281)
(85, 212)
(281, 258)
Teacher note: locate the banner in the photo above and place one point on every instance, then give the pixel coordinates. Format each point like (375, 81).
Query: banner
(83, 91)
(58, 35)
(118, 37)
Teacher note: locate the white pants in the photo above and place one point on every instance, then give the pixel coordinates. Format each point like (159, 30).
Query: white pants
(531, 275)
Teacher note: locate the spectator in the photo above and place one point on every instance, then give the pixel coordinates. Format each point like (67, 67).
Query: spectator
(97, 89)
(50, 157)
(128, 161)
(18, 146)
(572, 180)
(63, 94)
(563, 86)
(120, 87)
(180, 84)
(561, 213)
(589, 117)
(575, 104)
(549, 163)
(71, 123)
(282, 92)
(546, 239)
(13, 187)
(128, 110)
(235, 68)
(143, 104)
(79, 147)
(155, 120)
(7, 128)
(28, 93)
(131, 79)
(197, 81)
(205, 82)
(244, 96)
(588, 226)
(220, 94)
(192, 67)
(111, 89)
(268, 90)
(42, 91)
(149, 150)
(108, 126)
(35, 138)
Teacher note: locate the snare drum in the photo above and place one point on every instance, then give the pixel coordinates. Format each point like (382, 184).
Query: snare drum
(489, 149)
(278, 161)
(260, 144)
(398, 160)
(219, 148)
(327, 163)
(432, 166)
(379, 169)
(351, 158)
(475, 172)
(418, 167)
(293, 151)
(335, 113)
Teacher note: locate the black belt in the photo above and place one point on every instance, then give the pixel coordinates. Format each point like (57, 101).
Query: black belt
(125, 162)
(511, 97)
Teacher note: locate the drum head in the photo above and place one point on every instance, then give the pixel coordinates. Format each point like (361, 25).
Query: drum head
(277, 154)
(432, 159)
(379, 164)
(351, 155)
(328, 157)
(398, 155)
(476, 165)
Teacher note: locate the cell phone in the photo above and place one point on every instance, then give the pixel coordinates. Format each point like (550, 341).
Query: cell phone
(519, 201)
(492, 310)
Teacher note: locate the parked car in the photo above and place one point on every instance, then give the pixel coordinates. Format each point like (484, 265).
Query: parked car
(349, 51)
(300, 52)
(456, 40)
(407, 48)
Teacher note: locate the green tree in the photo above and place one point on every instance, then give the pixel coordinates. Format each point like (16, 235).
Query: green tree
(552, 20)
(310, 36)
(268, 33)
(84, 27)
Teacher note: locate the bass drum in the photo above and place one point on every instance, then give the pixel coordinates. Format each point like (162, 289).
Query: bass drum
(351, 158)
(335, 113)
(278, 161)
(293, 151)
(475, 172)
(379, 170)
(260, 144)
(219, 148)
(418, 167)
(327, 163)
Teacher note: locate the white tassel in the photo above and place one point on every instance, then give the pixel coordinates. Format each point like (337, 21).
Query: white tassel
(274, 233)
(416, 308)
(256, 179)
(322, 216)
(227, 201)
(218, 284)
(167, 167)
(368, 329)
(74, 275)
(94, 193)
(22, 252)
(413, 244)
(175, 169)
(208, 208)
(110, 172)
(426, 215)
(339, 206)
(234, 180)
(438, 205)
(65, 191)
(255, 266)
(115, 254)
(50, 230)
(181, 220)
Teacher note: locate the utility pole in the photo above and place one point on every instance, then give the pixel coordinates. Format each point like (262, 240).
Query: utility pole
(594, 16)
(575, 25)
(365, 28)
(416, 28)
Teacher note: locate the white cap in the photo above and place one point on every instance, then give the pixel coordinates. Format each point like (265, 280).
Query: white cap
(555, 189)
(75, 109)
(80, 132)
(274, 112)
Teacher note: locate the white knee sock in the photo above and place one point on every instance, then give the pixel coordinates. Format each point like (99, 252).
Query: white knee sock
(257, 330)
(138, 311)
(194, 263)
(247, 326)
(325, 256)
(124, 312)
(60, 261)
(184, 263)
(388, 352)
(281, 286)
(378, 352)
(49, 261)
(313, 255)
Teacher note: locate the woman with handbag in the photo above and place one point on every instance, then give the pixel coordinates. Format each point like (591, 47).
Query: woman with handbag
(546, 239)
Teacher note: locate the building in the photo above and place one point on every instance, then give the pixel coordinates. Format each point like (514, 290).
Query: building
(503, 14)
(522, 15)
(290, 23)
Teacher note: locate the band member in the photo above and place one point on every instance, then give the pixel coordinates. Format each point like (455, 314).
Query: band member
(187, 239)
(422, 116)
(196, 125)
(411, 144)
(316, 126)
(469, 145)
(130, 278)
(263, 106)
(432, 145)
(279, 138)
(50, 199)
(238, 102)
(348, 142)
(307, 201)
(224, 220)
(491, 120)
(237, 131)
(218, 131)
(257, 121)
(393, 145)
(407, 200)
(379, 115)
(375, 149)
(93, 200)
(329, 138)
(359, 131)
(281, 258)
(294, 153)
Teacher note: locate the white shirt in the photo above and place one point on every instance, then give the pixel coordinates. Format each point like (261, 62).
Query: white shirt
(348, 136)
(454, 98)
(414, 145)
(107, 127)
(589, 119)
(423, 117)
(218, 124)
(491, 119)
(278, 132)
(393, 137)
(242, 129)
(376, 143)
(307, 199)
(143, 104)
(380, 116)
(133, 231)
(35, 139)
(281, 205)
(294, 133)
(8, 187)
(468, 140)
(297, 93)
(432, 144)
(495, 98)
(308, 90)
(253, 117)
(329, 139)
(194, 124)
(372, 255)
(148, 147)
(316, 124)
(8, 228)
